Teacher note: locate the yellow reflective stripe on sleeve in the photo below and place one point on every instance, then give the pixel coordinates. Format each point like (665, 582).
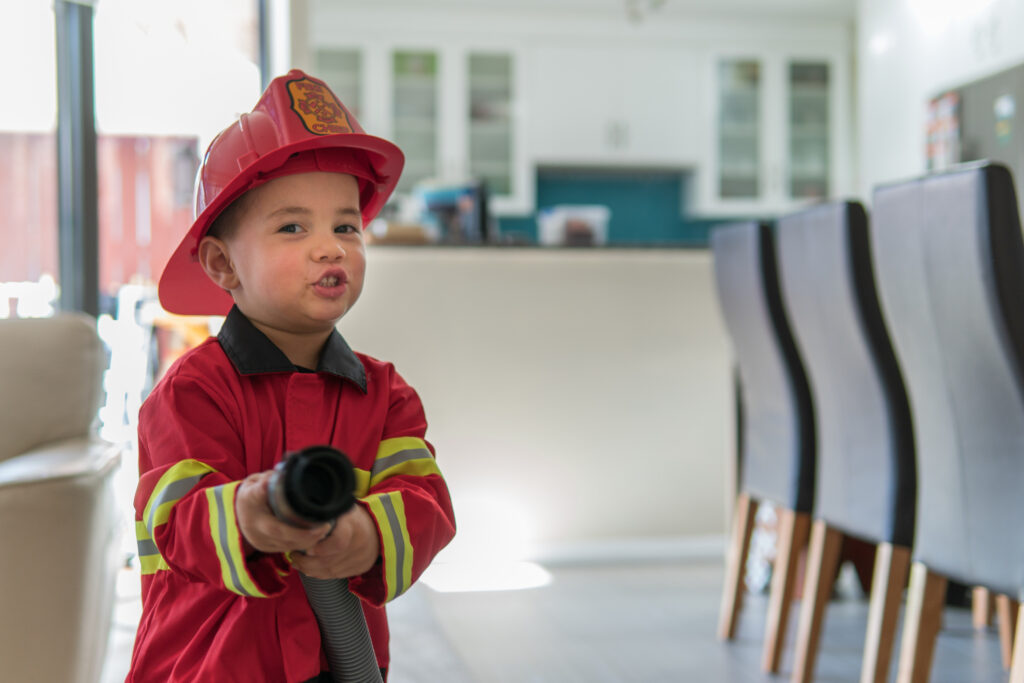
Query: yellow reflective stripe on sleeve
(172, 487)
(362, 482)
(226, 539)
(150, 559)
(396, 549)
(402, 455)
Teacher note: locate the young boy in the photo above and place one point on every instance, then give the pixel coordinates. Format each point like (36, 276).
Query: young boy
(282, 199)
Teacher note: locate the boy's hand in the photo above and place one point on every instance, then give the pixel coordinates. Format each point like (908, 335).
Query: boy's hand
(261, 529)
(351, 550)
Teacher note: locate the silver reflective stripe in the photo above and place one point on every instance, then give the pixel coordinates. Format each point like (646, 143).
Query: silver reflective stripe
(225, 546)
(396, 533)
(173, 492)
(398, 458)
(147, 547)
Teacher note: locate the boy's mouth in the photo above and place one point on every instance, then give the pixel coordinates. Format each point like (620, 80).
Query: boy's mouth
(332, 280)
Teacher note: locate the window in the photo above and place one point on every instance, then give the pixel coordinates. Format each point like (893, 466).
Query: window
(28, 160)
(169, 77)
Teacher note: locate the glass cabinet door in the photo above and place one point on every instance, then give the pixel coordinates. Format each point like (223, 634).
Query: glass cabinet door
(341, 70)
(414, 98)
(490, 121)
(808, 130)
(739, 131)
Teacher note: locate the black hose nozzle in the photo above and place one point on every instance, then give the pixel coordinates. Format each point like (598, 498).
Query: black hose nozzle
(312, 486)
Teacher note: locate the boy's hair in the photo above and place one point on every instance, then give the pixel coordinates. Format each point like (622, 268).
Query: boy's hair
(225, 225)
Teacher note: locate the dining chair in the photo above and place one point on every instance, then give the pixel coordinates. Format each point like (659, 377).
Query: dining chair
(865, 475)
(775, 423)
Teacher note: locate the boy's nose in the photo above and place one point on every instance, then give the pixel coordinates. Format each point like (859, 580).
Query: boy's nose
(328, 250)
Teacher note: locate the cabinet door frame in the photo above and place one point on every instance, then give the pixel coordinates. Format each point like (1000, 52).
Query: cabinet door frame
(710, 200)
(521, 200)
(773, 196)
(840, 129)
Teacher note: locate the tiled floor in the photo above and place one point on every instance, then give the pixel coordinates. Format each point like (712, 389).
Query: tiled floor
(612, 623)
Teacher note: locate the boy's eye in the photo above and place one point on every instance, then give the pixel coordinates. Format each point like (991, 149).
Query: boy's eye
(290, 227)
(346, 228)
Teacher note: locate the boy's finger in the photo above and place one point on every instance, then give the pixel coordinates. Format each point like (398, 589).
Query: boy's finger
(307, 539)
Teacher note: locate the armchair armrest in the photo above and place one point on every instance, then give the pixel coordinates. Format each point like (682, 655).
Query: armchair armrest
(69, 458)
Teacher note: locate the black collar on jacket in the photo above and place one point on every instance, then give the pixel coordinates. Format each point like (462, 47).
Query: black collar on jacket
(251, 352)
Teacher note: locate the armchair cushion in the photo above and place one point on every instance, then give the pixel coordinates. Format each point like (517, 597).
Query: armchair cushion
(51, 371)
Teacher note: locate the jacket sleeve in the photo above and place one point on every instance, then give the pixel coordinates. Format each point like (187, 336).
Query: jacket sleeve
(407, 498)
(191, 464)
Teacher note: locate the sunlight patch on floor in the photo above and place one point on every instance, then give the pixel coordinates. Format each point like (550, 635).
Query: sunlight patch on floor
(458, 577)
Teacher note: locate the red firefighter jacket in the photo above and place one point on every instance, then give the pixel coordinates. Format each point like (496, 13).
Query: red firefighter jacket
(231, 407)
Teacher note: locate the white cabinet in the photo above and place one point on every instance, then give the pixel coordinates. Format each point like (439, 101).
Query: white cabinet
(778, 132)
(452, 109)
(628, 106)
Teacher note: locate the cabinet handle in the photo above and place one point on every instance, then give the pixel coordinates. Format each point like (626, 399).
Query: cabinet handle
(618, 134)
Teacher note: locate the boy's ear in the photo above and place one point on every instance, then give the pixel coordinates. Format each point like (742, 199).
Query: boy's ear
(216, 261)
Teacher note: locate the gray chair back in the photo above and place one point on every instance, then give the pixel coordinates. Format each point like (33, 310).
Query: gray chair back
(865, 469)
(776, 418)
(898, 233)
(954, 296)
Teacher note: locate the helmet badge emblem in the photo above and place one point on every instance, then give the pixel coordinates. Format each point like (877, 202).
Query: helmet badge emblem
(318, 108)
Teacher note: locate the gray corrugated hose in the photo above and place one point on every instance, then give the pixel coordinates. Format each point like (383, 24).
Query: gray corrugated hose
(343, 630)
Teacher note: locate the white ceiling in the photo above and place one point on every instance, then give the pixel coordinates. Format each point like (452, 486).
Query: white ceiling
(729, 9)
(840, 9)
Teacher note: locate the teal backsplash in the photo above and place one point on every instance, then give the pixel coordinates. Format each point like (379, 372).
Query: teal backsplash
(645, 206)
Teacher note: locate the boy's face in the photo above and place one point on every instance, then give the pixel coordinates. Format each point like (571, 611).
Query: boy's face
(297, 252)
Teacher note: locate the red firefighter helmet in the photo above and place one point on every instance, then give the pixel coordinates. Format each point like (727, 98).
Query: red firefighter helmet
(297, 119)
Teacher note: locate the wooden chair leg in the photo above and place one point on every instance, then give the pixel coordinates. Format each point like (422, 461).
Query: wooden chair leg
(1017, 665)
(822, 562)
(892, 565)
(1006, 607)
(735, 562)
(922, 619)
(793, 529)
(982, 604)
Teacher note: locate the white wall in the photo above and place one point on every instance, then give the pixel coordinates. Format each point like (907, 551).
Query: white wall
(911, 50)
(577, 398)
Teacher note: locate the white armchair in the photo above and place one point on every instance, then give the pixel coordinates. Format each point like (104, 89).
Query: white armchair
(59, 532)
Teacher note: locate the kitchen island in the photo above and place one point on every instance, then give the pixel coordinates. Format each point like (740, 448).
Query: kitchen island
(580, 399)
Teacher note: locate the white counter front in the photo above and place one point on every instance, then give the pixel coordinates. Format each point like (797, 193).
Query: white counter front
(575, 397)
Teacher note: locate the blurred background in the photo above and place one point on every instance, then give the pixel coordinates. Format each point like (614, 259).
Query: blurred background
(542, 275)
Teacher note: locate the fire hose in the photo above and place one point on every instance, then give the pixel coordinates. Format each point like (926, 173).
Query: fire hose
(310, 487)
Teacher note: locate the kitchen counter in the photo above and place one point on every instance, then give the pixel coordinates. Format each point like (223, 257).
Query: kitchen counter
(569, 383)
